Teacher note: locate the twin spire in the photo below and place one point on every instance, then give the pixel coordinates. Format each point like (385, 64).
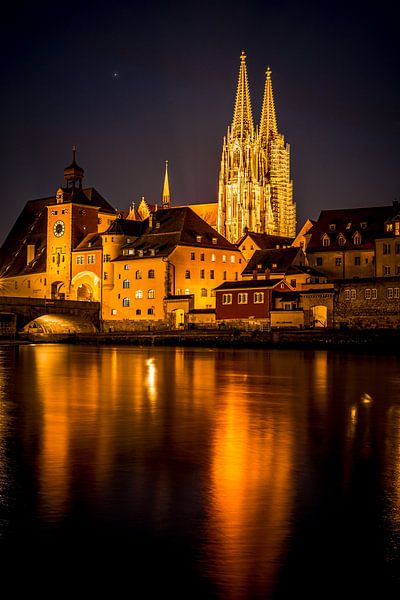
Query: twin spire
(242, 123)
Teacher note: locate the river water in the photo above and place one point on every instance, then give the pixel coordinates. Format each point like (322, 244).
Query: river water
(199, 473)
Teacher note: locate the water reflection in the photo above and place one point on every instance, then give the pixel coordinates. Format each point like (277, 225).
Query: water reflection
(230, 472)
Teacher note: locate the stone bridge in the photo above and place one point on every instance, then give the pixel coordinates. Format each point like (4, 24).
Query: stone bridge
(70, 312)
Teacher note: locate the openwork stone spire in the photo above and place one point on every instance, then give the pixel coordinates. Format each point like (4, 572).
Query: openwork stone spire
(268, 126)
(242, 123)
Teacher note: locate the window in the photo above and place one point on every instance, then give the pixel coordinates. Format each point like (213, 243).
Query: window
(179, 292)
(226, 298)
(126, 267)
(105, 275)
(139, 294)
(232, 259)
(138, 311)
(326, 241)
(396, 293)
(80, 260)
(214, 241)
(212, 274)
(389, 293)
(389, 227)
(338, 261)
(113, 311)
(332, 226)
(151, 274)
(318, 261)
(212, 257)
(293, 283)
(126, 283)
(126, 302)
(347, 294)
(150, 311)
(203, 292)
(91, 259)
(199, 238)
(202, 256)
(236, 276)
(258, 297)
(242, 298)
(357, 261)
(192, 256)
(224, 258)
(187, 274)
(363, 225)
(387, 248)
(348, 226)
(367, 294)
(224, 276)
(107, 258)
(353, 295)
(187, 292)
(357, 239)
(386, 270)
(202, 273)
(397, 248)
(341, 240)
(151, 294)
(138, 275)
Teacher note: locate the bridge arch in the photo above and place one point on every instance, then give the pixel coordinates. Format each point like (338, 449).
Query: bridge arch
(85, 286)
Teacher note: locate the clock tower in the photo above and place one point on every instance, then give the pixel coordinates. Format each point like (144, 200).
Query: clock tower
(69, 220)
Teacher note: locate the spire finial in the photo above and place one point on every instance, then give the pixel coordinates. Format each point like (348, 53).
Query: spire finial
(268, 125)
(242, 124)
(73, 153)
(243, 56)
(268, 72)
(166, 199)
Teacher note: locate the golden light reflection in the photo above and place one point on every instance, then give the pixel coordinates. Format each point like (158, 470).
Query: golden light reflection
(151, 379)
(393, 462)
(252, 490)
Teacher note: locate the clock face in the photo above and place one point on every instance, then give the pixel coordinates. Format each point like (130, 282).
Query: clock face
(59, 228)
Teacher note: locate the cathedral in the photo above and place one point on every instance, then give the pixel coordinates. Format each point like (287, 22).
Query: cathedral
(255, 191)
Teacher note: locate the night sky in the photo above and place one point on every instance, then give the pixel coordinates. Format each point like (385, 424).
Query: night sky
(133, 84)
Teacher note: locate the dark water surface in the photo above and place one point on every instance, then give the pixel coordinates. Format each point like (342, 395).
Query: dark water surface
(196, 473)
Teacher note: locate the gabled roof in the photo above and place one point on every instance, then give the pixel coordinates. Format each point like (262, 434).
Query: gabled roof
(264, 241)
(368, 222)
(273, 260)
(207, 211)
(92, 241)
(126, 227)
(168, 228)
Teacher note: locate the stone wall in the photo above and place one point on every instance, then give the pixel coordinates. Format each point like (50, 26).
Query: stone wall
(127, 325)
(8, 325)
(369, 303)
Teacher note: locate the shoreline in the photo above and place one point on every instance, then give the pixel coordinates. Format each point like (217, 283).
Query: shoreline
(362, 340)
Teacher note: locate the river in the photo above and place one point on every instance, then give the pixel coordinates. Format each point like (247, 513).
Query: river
(199, 473)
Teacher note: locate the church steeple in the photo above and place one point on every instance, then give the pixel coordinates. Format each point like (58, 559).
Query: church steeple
(166, 198)
(73, 174)
(268, 125)
(242, 123)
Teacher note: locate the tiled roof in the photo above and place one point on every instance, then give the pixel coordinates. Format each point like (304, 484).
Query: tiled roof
(168, 228)
(126, 227)
(368, 222)
(248, 284)
(282, 258)
(90, 241)
(267, 242)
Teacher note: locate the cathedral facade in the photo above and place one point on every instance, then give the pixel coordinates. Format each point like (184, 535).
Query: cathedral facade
(255, 191)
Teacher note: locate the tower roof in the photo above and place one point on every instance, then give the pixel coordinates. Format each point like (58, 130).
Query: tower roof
(73, 173)
(268, 126)
(242, 123)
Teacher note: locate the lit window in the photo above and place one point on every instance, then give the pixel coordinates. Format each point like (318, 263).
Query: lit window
(126, 267)
(91, 259)
(212, 257)
(326, 241)
(224, 258)
(347, 294)
(138, 275)
(203, 292)
(232, 259)
(332, 226)
(126, 283)
(107, 258)
(338, 262)
(374, 294)
(179, 292)
(242, 298)
(151, 294)
(389, 227)
(139, 294)
(113, 311)
(226, 298)
(341, 240)
(214, 241)
(126, 302)
(105, 275)
(80, 260)
(353, 294)
(199, 238)
(258, 297)
(367, 294)
(363, 225)
(389, 293)
(357, 239)
(187, 292)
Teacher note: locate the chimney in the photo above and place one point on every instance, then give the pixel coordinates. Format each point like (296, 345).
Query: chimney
(151, 220)
(30, 253)
(255, 273)
(267, 273)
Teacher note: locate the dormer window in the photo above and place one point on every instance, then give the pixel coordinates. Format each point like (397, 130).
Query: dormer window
(158, 225)
(199, 238)
(389, 227)
(332, 227)
(341, 240)
(152, 252)
(363, 225)
(214, 240)
(326, 240)
(274, 265)
(357, 239)
(140, 252)
(348, 226)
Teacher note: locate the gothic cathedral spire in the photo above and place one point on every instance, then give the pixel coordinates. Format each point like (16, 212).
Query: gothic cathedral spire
(166, 198)
(255, 190)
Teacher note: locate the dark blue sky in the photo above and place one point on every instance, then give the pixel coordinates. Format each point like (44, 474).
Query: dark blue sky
(335, 70)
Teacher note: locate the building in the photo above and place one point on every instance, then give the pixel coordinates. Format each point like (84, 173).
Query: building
(342, 243)
(250, 242)
(255, 189)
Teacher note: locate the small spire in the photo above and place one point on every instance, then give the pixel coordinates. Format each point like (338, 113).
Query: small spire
(166, 199)
(242, 123)
(73, 153)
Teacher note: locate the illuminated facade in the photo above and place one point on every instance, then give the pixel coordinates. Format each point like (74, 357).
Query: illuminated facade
(255, 190)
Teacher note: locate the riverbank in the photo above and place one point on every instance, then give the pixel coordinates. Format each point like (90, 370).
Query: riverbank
(365, 340)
